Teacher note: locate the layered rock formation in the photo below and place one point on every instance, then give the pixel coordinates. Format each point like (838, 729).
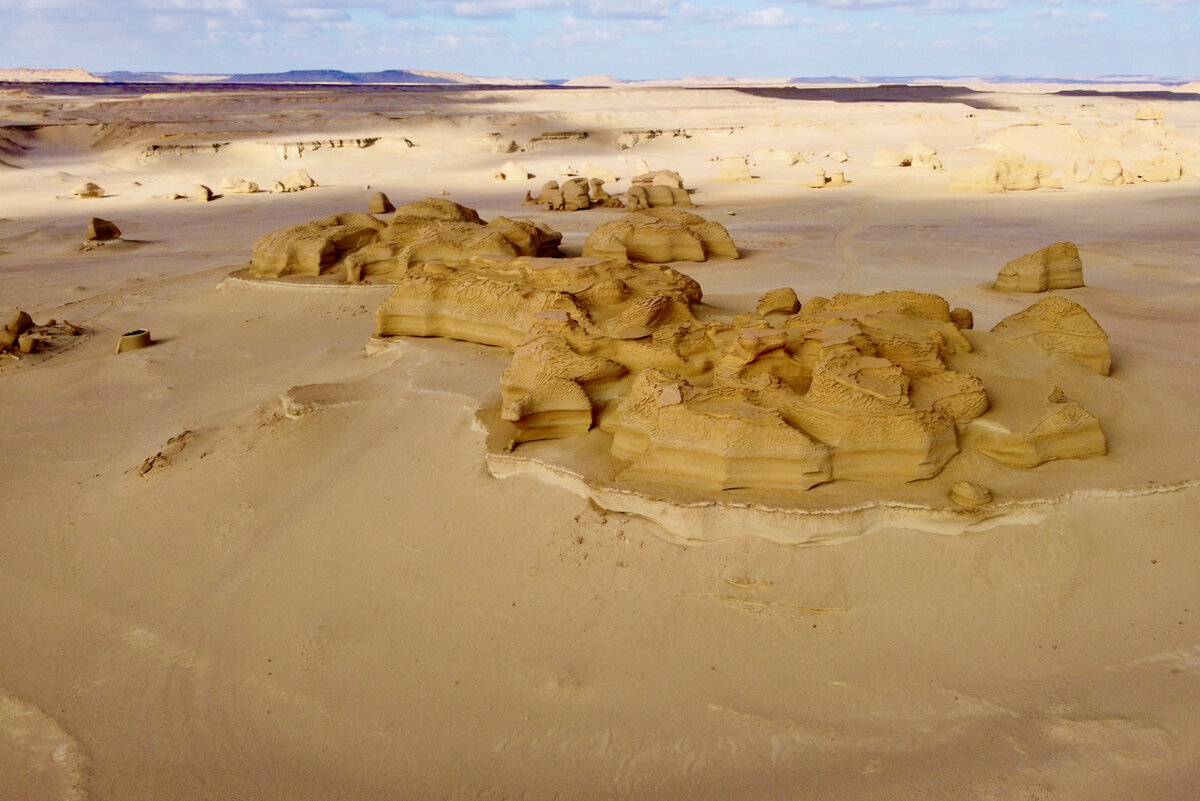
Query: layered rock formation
(358, 247)
(882, 387)
(1055, 266)
(660, 235)
(1056, 326)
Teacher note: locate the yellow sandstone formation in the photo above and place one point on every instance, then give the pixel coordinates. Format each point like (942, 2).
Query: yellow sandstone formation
(1056, 266)
(661, 235)
(1057, 326)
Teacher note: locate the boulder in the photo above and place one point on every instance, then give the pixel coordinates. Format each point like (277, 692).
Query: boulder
(88, 190)
(1057, 326)
(1055, 266)
(379, 203)
(99, 230)
(298, 180)
(201, 193)
(238, 186)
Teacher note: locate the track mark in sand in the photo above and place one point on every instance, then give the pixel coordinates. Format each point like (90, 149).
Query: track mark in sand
(115, 298)
(37, 757)
(842, 240)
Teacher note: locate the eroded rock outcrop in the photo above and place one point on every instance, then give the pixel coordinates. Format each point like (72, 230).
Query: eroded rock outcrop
(1057, 326)
(882, 387)
(100, 230)
(1055, 266)
(661, 235)
(1004, 173)
(358, 247)
(88, 190)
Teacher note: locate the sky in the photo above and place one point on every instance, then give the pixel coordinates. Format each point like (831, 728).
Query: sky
(627, 39)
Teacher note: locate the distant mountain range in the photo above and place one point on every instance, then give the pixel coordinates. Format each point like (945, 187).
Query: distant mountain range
(431, 78)
(424, 77)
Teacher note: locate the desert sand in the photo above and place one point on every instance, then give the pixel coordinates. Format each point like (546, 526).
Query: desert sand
(254, 543)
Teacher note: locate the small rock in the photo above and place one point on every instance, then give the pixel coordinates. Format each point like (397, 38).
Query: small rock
(99, 230)
(970, 495)
(201, 193)
(88, 189)
(20, 323)
(380, 204)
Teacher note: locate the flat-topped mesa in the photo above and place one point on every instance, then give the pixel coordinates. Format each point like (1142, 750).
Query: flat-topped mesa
(1056, 266)
(661, 235)
(360, 247)
(1057, 326)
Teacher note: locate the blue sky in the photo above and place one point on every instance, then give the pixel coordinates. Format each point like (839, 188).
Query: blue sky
(623, 38)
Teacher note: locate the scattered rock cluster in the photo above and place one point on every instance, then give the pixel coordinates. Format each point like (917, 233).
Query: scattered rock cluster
(1004, 173)
(22, 336)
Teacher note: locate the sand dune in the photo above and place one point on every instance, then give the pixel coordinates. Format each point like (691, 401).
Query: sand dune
(261, 559)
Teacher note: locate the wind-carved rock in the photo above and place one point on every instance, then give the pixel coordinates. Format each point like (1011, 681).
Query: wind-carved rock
(359, 247)
(661, 235)
(882, 387)
(1056, 266)
(1057, 326)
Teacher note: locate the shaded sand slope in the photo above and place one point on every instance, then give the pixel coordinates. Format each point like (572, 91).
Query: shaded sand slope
(204, 597)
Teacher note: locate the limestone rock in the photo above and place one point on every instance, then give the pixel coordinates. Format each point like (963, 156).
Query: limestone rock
(661, 235)
(1149, 113)
(88, 190)
(1054, 326)
(313, 247)
(603, 174)
(20, 323)
(1004, 173)
(512, 171)
(712, 438)
(963, 319)
(99, 230)
(201, 193)
(734, 168)
(505, 146)
(778, 301)
(970, 495)
(238, 186)
(573, 194)
(380, 203)
(1159, 170)
(891, 158)
(1051, 431)
(1055, 266)
(298, 180)
(661, 188)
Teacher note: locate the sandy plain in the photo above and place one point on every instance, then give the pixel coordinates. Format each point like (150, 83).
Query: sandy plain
(201, 597)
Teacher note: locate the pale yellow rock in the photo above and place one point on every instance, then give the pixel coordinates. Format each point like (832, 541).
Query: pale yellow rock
(1149, 113)
(19, 324)
(1159, 170)
(201, 193)
(734, 168)
(238, 186)
(1004, 173)
(1052, 431)
(891, 158)
(512, 171)
(1055, 266)
(778, 301)
(88, 190)
(819, 179)
(1057, 326)
(298, 180)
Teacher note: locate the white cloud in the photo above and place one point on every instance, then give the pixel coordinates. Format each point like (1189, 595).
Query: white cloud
(630, 9)
(773, 17)
(1098, 16)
